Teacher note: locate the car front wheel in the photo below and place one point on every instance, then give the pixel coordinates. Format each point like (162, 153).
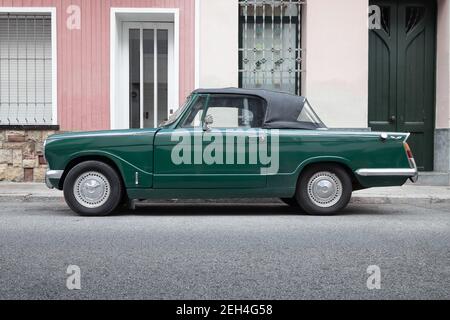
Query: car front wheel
(93, 188)
(324, 190)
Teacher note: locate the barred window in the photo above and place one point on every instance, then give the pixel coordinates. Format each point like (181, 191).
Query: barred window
(270, 53)
(25, 69)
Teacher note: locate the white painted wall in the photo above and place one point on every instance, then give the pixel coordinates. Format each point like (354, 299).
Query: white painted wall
(218, 43)
(335, 36)
(443, 66)
(337, 69)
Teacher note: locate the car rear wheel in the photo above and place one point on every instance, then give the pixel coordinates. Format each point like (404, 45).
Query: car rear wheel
(324, 190)
(93, 188)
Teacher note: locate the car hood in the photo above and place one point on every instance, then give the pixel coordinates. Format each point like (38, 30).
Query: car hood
(104, 133)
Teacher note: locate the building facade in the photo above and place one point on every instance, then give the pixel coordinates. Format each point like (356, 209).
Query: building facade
(70, 65)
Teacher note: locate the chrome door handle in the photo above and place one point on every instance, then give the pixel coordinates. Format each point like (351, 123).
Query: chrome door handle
(261, 137)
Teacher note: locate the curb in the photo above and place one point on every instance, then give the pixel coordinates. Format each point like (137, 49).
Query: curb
(356, 199)
(398, 200)
(29, 198)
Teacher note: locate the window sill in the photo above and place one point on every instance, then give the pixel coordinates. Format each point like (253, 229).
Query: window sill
(29, 127)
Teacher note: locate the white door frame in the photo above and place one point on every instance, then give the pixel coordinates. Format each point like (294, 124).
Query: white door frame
(125, 80)
(119, 102)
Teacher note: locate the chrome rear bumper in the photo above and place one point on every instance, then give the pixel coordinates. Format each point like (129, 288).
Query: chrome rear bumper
(413, 165)
(412, 173)
(386, 172)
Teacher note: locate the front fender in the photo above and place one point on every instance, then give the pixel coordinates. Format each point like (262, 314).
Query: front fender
(133, 176)
(130, 151)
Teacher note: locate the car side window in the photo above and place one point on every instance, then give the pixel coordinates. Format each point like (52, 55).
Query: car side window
(232, 111)
(194, 118)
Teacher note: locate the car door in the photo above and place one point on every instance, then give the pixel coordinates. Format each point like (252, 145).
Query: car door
(223, 152)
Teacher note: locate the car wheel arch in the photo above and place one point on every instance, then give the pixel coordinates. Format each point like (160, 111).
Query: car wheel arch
(80, 159)
(342, 164)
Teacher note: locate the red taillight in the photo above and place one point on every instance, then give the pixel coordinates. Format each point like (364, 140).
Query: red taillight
(408, 151)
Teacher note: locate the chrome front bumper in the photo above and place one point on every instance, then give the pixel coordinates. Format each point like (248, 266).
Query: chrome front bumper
(52, 174)
(412, 173)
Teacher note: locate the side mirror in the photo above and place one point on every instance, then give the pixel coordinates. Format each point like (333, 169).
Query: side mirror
(209, 120)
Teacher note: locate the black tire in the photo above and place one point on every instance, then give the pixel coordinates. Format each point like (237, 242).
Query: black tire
(292, 202)
(329, 198)
(104, 175)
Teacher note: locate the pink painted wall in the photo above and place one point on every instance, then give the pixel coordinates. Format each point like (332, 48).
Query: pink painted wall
(443, 66)
(84, 57)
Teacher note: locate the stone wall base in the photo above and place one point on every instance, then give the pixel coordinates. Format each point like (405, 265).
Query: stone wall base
(22, 155)
(442, 150)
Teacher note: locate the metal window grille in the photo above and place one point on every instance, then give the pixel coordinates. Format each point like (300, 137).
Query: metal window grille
(25, 69)
(270, 53)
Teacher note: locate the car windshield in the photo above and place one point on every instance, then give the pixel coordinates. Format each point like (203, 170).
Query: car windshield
(177, 113)
(309, 117)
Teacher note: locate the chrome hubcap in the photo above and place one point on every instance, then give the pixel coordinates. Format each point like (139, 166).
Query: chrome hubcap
(324, 189)
(92, 189)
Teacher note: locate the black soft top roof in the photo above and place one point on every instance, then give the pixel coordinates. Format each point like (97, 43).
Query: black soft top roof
(283, 108)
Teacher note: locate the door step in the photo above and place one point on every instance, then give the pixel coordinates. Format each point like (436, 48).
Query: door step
(433, 179)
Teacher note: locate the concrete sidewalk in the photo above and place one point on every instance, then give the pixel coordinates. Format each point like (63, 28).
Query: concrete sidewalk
(408, 194)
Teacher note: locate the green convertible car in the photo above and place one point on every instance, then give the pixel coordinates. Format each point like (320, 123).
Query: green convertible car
(226, 143)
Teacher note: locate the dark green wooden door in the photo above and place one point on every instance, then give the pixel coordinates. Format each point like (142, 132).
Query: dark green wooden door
(402, 73)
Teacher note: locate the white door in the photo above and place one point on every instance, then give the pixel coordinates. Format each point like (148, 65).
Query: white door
(148, 63)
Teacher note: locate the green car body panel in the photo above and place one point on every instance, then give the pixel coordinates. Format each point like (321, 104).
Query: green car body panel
(130, 151)
(143, 159)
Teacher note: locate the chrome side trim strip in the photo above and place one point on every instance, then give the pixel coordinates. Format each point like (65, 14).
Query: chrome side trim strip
(54, 174)
(387, 172)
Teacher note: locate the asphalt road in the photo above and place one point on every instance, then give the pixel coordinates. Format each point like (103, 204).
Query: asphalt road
(211, 251)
